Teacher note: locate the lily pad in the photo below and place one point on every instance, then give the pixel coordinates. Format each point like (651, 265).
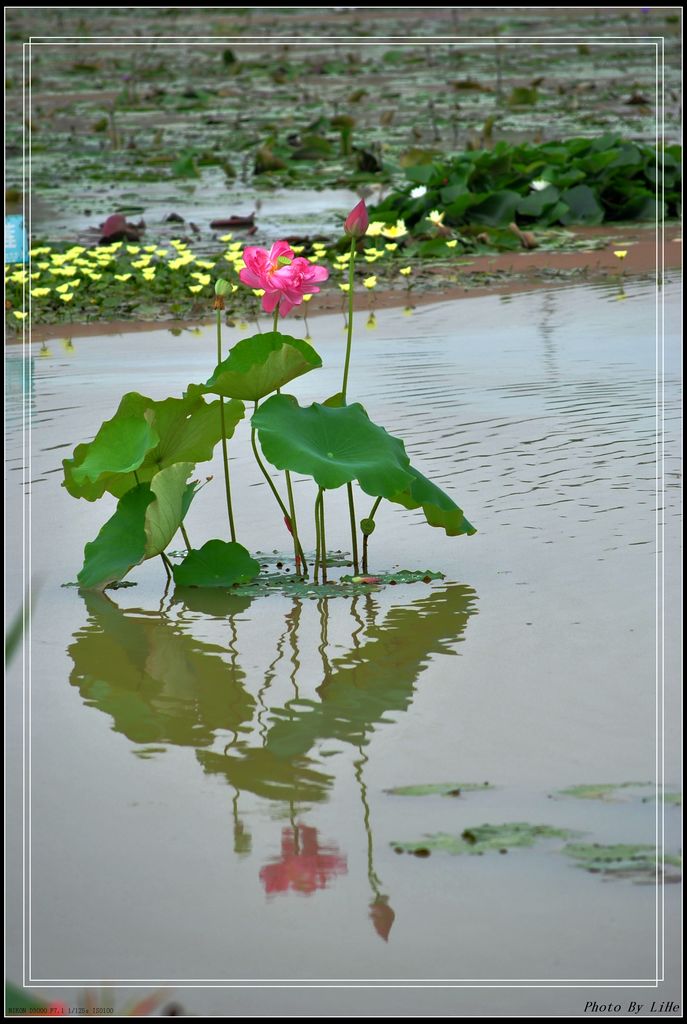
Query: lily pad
(601, 791)
(637, 862)
(144, 437)
(257, 366)
(439, 509)
(218, 563)
(440, 789)
(332, 445)
(402, 576)
(485, 838)
(146, 519)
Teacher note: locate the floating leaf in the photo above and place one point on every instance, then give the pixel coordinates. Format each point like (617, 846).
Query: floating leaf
(218, 563)
(146, 436)
(146, 519)
(638, 862)
(400, 576)
(257, 366)
(601, 791)
(484, 838)
(439, 789)
(439, 509)
(332, 445)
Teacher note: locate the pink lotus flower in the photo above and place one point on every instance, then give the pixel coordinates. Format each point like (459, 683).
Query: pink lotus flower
(357, 222)
(285, 279)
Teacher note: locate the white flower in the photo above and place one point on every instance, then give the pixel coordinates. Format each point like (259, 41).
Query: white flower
(418, 192)
(539, 185)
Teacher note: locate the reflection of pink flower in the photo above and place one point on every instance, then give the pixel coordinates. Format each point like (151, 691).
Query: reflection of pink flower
(304, 866)
(284, 278)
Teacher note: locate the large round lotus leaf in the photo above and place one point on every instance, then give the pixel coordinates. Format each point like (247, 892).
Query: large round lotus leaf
(439, 509)
(332, 445)
(146, 436)
(257, 366)
(218, 563)
(146, 519)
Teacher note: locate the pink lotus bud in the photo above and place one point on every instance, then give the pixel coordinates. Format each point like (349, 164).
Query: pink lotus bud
(357, 222)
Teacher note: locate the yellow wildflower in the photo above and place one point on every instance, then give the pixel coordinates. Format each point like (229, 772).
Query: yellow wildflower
(397, 230)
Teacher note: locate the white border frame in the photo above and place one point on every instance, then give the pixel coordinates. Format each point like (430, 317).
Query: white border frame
(659, 45)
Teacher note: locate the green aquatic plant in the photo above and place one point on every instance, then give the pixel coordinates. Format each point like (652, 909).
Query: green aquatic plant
(638, 862)
(574, 181)
(483, 839)
(146, 454)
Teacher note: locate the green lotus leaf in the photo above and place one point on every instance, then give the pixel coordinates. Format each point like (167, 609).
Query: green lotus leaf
(146, 436)
(146, 519)
(333, 445)
(439, 509)
(257, 366)
(166, 513)
(622, 860)
(217, 564)
(120, 446)
(440, 789)
(483, 839)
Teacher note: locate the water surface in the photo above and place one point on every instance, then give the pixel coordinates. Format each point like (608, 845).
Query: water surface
(209, 775)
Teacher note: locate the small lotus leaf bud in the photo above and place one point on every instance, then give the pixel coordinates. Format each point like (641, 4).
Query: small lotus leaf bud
(367, 526)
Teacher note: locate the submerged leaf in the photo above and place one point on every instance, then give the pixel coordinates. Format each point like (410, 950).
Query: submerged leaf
(333, 445)
(217, 564)
(257, 366)
(439, 509)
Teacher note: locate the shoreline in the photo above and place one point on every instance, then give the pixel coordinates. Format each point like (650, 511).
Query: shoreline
(513, 272)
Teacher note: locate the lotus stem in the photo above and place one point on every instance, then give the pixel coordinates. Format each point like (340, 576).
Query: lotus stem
(187, 542)
(285, 512)
(366, 536)
(323, 553)
(167, 564)
(297, 550)
(294, 527)
(225, 454)
(349, 337)
(354, 535)
(316, 570)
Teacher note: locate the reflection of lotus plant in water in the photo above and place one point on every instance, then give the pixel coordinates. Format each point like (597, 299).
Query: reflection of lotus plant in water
(304, 866)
